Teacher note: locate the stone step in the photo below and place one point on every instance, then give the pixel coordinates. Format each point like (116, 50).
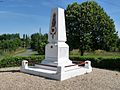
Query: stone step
(36, 69)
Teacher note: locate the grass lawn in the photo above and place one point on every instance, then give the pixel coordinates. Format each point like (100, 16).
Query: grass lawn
(19, 50)
(97, 53)
(75, 53)
(27, 52)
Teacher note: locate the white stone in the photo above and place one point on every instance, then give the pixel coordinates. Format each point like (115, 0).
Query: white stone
(59, 27)
(24, 64)
(57, 51)
(88, 66)
(57, 64)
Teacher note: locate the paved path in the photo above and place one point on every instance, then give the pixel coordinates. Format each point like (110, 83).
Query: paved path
(28, 52)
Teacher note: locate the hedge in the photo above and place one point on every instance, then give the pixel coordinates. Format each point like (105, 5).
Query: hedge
(99, 62)
(16, 61)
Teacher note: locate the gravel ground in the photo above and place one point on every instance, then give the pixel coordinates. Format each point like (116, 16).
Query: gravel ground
(99, 79)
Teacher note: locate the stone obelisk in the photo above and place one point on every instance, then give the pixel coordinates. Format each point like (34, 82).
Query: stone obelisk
(57, 51)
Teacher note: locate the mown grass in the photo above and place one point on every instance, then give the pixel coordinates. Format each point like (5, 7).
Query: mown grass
(95, 54)
(27, 52)
(12, 53)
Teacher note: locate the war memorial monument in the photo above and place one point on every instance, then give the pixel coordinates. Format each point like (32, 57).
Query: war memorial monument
(57, 64)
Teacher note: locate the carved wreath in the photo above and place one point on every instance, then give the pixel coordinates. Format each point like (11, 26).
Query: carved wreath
(53, 26)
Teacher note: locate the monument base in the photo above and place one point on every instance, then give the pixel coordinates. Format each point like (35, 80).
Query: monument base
(56, 72)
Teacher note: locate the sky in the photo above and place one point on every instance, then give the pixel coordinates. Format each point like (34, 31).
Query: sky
(28, 16)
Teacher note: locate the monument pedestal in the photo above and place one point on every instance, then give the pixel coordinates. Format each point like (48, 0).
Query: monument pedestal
(57, 54)
(57, 64)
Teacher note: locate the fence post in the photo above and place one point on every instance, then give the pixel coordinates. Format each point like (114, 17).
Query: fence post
(24, 64)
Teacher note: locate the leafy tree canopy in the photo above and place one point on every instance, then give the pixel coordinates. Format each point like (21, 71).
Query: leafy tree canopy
(89, 27)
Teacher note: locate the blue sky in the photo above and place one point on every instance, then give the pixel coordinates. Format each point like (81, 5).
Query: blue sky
(27, 16)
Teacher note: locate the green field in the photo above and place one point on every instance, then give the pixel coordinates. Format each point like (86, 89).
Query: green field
(75, 53)
(18, 52)
(27, 52)
(97, 54)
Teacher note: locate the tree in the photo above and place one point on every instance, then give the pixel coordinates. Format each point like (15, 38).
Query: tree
(35, 39)
(118, 44)
(25, 41)
(42, 44)
(9, 36)
(38, 42)
(41, 48)
(9, 42)
(89, 27)
(76, 30)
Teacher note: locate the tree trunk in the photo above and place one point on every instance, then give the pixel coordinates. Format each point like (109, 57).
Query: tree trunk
(82, 52)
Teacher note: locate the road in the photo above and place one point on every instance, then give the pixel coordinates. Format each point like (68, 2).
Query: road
(27, 52)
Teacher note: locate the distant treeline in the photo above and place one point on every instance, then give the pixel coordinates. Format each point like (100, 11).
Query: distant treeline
(11, 42)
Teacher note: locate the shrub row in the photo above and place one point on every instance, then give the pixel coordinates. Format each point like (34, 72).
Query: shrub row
(16, 61)
(99, 62)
